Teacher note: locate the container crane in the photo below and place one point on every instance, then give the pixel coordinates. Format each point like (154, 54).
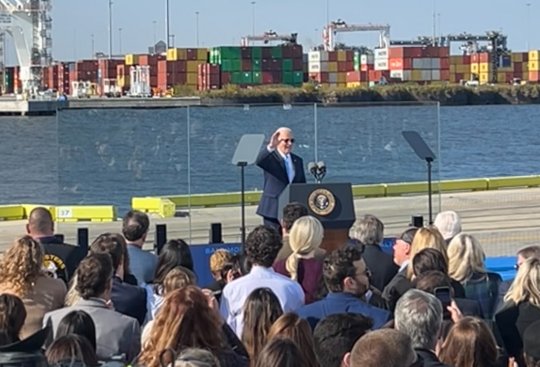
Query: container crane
(269, 36)
(339, 26)
(29, 24)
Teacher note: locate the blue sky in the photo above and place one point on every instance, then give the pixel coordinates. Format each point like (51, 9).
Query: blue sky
(224, 22)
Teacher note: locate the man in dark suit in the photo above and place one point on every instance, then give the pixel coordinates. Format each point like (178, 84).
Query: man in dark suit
(281, 167)
(369, 231)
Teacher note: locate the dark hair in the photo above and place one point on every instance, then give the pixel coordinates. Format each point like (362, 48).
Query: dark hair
(408, 235)
(335, 335)
(429, 280)
(339, 265)
(71, 348)
(429, 259)
(280, 352)
(94, 275)
(291, 212)
(175, 253)
(40, 220)
(261, 310)
(110, 243)
(262, 246)
(12, 317)
(135, 225)
(79, 323)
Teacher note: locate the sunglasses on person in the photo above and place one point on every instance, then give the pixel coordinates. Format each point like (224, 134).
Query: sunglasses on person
(287, 141)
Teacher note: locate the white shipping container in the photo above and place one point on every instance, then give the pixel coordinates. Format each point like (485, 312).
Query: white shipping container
(381, 53)
(367, 59)
(318, 55)
(404, 75)
(332, 77)
(435, 75)
(436, 63)
(317, 66)
(425, 75)
(381, 64)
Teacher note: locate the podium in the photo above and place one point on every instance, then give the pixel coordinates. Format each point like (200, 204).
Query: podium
(331, 203)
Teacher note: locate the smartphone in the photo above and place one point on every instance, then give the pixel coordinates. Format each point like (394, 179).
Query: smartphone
(444, 295)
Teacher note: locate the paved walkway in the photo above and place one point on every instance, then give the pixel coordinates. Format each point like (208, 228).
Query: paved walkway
(503, 220)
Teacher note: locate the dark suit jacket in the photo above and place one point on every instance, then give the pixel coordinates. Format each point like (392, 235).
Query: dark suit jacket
(469, 307)
(66, 257)
(381, 266)
(429, 358)
(276, 179)
(396, 288)
(129, 299)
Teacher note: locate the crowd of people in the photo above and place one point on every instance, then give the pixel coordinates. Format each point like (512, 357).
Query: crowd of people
(284, 301)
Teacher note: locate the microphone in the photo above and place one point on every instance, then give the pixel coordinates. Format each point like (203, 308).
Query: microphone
(312, 168)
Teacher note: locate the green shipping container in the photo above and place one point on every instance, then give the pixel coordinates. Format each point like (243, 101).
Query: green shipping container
(287, 65)
(277, 53)
(257, 77)
(236, 78)
(298, 78)
(247, 78)
(287, 77)
(256, 64)
(231, 65)
(356, 65)
(229, 52)
(256, 52)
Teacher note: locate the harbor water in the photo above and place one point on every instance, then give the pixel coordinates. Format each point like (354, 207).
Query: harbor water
(109, 156)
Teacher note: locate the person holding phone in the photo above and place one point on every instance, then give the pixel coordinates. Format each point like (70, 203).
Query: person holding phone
(281, 167)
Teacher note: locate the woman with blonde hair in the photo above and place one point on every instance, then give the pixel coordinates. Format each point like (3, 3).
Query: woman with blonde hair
(186, 320)
(22, 275)
(466, 265)
(426, 237)
(302, 265)
(521, 308)
(291, 326)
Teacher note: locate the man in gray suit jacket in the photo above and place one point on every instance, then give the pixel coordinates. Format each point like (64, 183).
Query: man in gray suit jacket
(116, 334)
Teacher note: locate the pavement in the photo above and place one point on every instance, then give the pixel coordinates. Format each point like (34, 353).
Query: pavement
(502, 220)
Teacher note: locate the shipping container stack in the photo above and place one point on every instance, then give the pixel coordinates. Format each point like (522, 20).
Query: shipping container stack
(339, 68)
(534, 66)
(209, 77)
(107, 69)
(520, 65)
(64, 81)
(505, 69)
(416, 64)
(84, 71)
(180, 67)
(258, 65)
(460, 68)
(11, 77)
(362, 64)
(481, 67)
(123, 77)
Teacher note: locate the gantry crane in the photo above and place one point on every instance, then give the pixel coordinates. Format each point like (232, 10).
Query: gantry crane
(29, 24)
(339, 26)
(270, 36)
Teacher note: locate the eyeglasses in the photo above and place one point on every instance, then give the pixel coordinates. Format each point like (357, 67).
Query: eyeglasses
(287, 141)
(516, 266)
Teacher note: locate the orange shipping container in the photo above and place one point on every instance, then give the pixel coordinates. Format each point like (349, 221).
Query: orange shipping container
(400, 64)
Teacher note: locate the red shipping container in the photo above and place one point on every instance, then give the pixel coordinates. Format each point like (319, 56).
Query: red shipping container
(191, 54)
(343, 66)
(518, 67)
(267, 77)
(298, 64)
(400, 64)
(445, 75)
(297, 51)
(266, 52)
(365, 67)
(534, 76)
(319, 77)
(225, 78)
(276, 65)
(246, 65)
(445, 63)
(444, 51)
(475, 58)
(353, 76)
(266, 64)
(332, 56)
(349, 56)
(276, 75)
(484, 57)
(286, 52)
(245, 53)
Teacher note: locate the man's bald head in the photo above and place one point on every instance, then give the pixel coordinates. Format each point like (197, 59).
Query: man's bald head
(40, 223)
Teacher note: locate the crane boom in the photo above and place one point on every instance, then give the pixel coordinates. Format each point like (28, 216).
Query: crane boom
(270, 36)
(339, 26)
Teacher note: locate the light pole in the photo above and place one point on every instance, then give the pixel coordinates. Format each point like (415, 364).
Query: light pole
(197, 26)
(167, 19)
(110, 30)
(528, 25)
(154, 24)
(253, 18)
(327, 12)
(93, 46)
(120, 41)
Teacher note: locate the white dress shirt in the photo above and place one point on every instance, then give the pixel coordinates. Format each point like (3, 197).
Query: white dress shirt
(290, 294)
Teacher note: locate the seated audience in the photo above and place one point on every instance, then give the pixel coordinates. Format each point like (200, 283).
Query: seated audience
(347, 280)
(261, 310)
(195, 357)
(369, 231)
(12, 317)
(449, 224)
(175, 253)
(531, 345)
(292, 327)
(21, 274)
(79, 323)
(400, 283)
(430, 259)
(302, 266)
(71, 350)
(291, 212)
(60, 259)
(261, 248)
(469, 343)
(335, 335)
(218, 260)
(186, 320)
(127, 299)
(135, 226)
(521, 308)
(281, 352)
(116, 334)
(385, 347)
(419, 315)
